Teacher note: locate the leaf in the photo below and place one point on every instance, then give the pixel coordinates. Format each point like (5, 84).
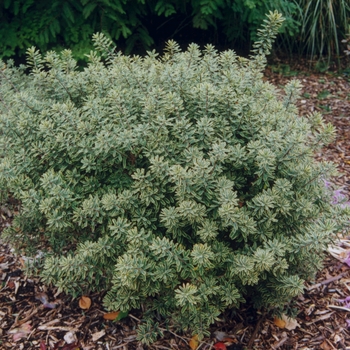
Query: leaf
(286, 322)
(21, 332)
(291, 323)
(111, 315)
(279, 322)
(70, 338)
(84, 303)
(45, 300)
(219, 335)
(116, 315)
(88, 9)
(122, 315)
(325, 346)
(193, 343)
(43, 345)
(219, 346)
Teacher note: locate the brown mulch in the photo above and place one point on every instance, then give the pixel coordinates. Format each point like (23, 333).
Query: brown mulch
(321, 319)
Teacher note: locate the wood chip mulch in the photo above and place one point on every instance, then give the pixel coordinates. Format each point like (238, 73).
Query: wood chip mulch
(322, 322)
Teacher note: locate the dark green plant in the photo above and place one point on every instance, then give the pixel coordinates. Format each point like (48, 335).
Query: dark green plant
(70, 24)
(183, 184)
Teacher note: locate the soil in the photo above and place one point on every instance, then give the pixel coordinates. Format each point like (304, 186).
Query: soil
(35, 316)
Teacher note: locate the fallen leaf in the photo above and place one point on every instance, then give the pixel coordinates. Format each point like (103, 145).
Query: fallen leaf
(116, 315)
(43, 345)
(45, 300)
(193, 343)
(111, 315)
(325, 346)
(291, 323)
(286, 322)
(70, 338)
(11, 284)
(219, 335)
(219, 346)
(21, 332)
(84, 303)
(98, 335)
(279, 322)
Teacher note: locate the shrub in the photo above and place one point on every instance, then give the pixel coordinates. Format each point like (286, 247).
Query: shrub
(184, 184)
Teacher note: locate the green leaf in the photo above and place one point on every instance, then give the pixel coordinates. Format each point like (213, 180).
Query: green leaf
(68, 12)
(88, 9)
(121, 315)
(7, 3)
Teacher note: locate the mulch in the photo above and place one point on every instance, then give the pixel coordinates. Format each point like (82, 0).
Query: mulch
(29, 321)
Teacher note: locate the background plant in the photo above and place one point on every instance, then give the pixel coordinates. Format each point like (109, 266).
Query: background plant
(324, 24)
(184, 183)
(136, 24)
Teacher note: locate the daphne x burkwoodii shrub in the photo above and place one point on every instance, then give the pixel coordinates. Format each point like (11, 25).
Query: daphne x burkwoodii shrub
(184, 184)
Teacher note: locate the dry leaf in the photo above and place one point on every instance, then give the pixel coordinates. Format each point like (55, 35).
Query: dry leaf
(193, 343)
(44, 299)
(21, 332)
(111, 315)
(325, 346)
(98, 335)
(291, 323)
(116, 315)
(219, 346)
(219, 335)
(70, 338)
(286, 322)
(11, 284)
(279, 322)
(84, 303)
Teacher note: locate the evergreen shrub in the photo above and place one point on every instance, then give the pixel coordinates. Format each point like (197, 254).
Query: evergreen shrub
(183, 184)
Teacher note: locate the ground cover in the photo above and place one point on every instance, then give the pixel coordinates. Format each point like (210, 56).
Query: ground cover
(34, 316)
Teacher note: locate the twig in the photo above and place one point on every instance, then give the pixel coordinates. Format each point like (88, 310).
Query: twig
(327, 281)
(256, 330)
(176, 335)
(120, 346)
(339, 308)
(305, 331)
(135, 318)
(280, 343)
(330, 343)
(58, 328)
(17, 323)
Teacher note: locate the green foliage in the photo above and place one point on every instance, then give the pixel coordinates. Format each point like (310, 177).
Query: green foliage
(70, 24)
(324, 23)
(183, 184)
